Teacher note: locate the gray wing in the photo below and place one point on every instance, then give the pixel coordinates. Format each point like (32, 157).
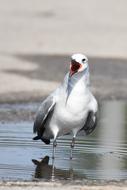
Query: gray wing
(90, 123)
(44, 111)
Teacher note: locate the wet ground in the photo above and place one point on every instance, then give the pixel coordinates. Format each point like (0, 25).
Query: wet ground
(35, 75)
(100, 156)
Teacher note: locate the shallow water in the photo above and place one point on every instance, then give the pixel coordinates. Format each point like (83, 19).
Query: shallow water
(102, 155)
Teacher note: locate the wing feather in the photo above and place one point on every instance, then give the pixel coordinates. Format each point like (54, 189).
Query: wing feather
(90, 123)
(44, 110)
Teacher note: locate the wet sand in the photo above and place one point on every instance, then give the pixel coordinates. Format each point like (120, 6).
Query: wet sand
(57, 186)
(31, 77)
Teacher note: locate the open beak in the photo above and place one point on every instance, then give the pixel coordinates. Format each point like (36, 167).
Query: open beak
(74, 67)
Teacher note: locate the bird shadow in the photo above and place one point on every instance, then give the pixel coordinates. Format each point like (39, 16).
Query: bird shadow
(44, 170)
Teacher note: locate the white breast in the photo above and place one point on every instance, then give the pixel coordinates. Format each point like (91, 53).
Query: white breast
(71, 113)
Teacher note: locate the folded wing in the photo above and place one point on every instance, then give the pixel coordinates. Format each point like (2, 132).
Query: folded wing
(42, 115)
(91, 123)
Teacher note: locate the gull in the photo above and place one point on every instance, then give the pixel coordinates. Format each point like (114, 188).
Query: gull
(70, 108)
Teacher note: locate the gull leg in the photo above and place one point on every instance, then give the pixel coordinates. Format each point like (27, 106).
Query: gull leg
(54, 148)
(55, 132)
(53, 168)
(74, 131)
(72, 147)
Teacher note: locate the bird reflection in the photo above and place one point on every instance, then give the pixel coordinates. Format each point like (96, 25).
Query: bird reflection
(49, 171)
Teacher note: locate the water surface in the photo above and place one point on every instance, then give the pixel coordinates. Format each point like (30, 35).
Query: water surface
(100, 156)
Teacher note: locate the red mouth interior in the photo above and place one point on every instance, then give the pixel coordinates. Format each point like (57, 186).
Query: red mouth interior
(75, 66)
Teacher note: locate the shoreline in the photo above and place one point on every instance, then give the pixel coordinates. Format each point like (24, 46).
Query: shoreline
(57, 185)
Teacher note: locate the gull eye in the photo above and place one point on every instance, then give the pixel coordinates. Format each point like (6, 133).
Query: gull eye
(83, 60)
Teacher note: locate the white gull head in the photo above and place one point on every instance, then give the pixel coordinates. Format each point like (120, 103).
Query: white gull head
(79, 63)
(78, 78)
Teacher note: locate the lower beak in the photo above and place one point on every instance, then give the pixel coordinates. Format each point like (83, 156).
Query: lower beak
(72, 72)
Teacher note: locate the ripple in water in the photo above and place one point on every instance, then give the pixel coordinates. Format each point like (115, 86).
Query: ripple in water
(102, 155)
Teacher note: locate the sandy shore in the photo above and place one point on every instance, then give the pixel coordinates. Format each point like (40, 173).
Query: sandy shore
(97, 28)
(56, 186)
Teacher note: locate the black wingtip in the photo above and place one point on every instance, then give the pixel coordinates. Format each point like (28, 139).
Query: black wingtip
(36, 138)
(46, 141)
